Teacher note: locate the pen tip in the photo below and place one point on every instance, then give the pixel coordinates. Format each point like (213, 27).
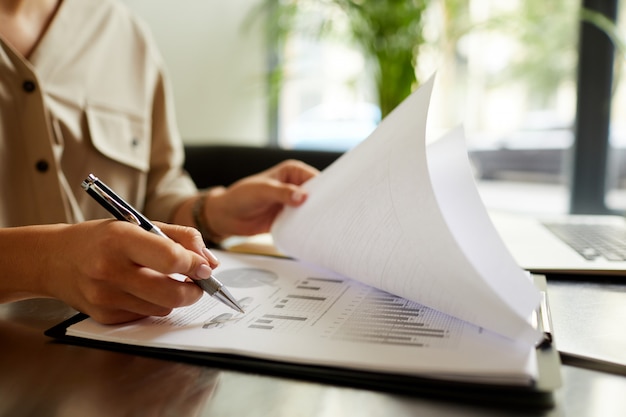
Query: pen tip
(224, 296)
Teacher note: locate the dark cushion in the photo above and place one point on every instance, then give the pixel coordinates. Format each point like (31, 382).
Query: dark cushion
(211, 165)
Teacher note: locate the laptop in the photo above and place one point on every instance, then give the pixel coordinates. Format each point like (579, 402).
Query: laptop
(565, 244)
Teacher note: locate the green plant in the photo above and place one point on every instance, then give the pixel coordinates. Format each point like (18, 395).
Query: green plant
(390, 35)
(389, 32)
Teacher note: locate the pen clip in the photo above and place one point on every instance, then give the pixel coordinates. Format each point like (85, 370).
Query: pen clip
(114, 206)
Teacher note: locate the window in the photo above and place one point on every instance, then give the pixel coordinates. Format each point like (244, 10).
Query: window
(507, 66)
(506, 70)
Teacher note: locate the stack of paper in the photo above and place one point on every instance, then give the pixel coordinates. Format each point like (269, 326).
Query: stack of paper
(407, 218)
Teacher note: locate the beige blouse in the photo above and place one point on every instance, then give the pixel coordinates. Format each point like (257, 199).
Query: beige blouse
(92, 98)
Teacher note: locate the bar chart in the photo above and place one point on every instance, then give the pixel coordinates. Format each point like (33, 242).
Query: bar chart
(380, 317)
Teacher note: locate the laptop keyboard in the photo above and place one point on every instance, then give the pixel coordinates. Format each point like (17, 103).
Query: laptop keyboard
(593, 240)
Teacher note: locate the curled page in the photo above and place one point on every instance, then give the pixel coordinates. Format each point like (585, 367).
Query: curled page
(406, 218)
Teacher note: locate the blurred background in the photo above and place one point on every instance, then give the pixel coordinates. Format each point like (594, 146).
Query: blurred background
(536, 84)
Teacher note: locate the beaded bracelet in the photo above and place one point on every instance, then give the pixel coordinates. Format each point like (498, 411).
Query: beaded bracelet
(211, 238)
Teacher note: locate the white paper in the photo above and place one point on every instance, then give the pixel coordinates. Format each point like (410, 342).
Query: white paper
(301, 314)
(406, 219)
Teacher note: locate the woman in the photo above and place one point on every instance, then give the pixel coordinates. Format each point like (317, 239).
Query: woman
(83, 89)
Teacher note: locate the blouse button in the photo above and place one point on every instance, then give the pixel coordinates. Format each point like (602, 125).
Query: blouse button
(28, 86)
(42, 165)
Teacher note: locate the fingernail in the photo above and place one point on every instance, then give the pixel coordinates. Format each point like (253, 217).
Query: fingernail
(204, 271)
(298, 196)
(210, 257)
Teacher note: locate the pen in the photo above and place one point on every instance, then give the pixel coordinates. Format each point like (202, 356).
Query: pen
(124, 211)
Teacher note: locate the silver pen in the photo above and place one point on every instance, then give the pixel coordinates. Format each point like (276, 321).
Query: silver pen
(124, 211)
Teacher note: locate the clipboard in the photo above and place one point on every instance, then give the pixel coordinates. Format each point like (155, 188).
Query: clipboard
(537, 395)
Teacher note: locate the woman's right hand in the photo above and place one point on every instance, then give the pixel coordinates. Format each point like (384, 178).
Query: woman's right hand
(111, 270)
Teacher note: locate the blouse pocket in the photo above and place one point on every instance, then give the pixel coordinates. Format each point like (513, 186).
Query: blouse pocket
(120, 136)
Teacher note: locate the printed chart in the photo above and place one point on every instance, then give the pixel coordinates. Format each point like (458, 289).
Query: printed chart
(334, 308)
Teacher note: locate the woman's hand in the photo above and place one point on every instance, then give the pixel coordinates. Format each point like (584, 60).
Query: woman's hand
(111, 270)
(250, 205)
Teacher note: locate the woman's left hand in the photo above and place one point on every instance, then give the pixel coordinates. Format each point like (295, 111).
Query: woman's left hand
(250, 205)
